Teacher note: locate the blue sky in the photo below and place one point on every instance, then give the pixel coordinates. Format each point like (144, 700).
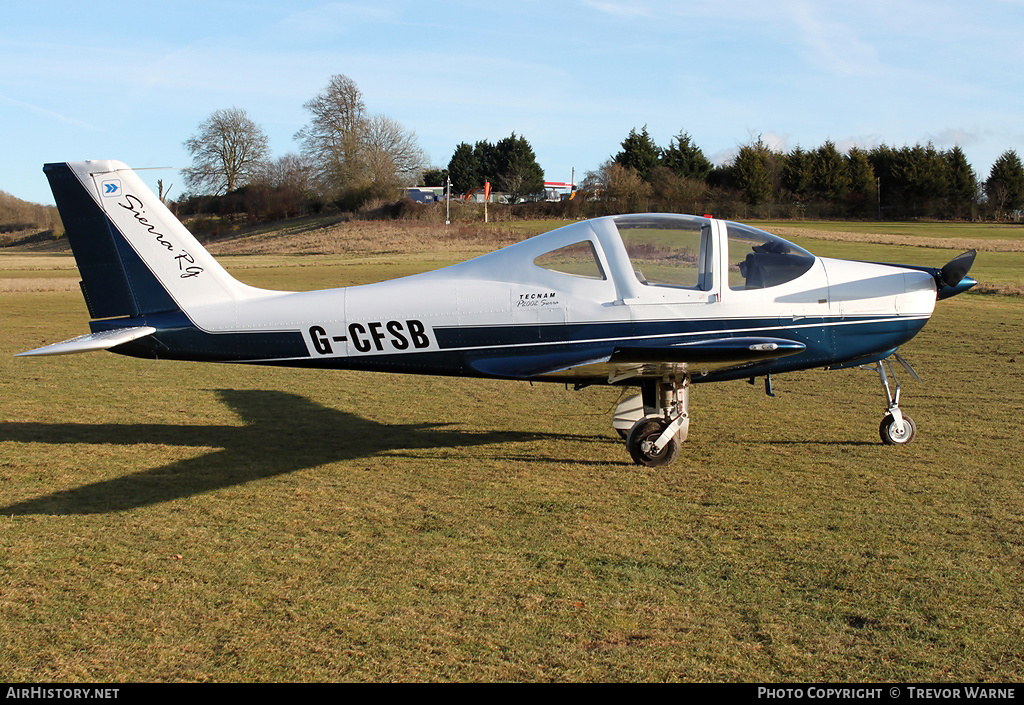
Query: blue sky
(132, 81)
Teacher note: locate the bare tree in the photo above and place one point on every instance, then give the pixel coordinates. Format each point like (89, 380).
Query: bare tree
(227, 151)
(280, 190)
(619, 187)
(331, 140)
(392, 151)
(350, 151)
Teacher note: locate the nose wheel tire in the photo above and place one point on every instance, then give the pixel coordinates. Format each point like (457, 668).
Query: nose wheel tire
(891, 436)
(640, 444)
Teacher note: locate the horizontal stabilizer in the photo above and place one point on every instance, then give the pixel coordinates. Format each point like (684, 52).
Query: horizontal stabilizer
(103, 340)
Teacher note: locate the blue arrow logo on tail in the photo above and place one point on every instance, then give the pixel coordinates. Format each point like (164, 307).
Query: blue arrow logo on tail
(112, 188)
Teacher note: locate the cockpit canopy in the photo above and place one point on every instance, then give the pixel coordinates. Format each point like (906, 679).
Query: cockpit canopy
(678, 251)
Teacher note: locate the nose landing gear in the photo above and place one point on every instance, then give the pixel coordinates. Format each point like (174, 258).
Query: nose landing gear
(896, 429)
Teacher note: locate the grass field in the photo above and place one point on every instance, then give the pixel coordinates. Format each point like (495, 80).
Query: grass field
(170, 521)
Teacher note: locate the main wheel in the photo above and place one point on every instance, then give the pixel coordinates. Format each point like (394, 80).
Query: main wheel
(640, 443)
(891, 436)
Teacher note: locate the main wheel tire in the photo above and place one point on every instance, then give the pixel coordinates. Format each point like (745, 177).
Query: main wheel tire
(641, 438)
(892, 437)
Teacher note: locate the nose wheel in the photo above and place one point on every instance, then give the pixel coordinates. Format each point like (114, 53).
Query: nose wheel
(893, 435)
(896, 428)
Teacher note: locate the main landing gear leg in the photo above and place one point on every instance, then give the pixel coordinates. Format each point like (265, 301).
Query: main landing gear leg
(897, 428)
(655, 438)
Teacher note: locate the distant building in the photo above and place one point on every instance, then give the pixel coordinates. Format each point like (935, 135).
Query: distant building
(479, 196)
(425, 194)
(553, 191)
(557, 190)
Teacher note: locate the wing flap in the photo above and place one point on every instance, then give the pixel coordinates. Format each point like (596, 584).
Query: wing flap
(104, 340)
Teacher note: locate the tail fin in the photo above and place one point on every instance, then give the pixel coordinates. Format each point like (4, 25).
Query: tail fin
(134, 256)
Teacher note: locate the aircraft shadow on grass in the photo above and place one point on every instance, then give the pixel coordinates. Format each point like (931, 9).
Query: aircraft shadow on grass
(282, 433)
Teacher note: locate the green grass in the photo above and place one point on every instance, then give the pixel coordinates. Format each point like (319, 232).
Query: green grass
(166, 521)
(999, 231)
(991, 269)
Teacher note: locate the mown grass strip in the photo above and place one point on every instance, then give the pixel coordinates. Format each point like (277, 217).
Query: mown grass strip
(168, 521)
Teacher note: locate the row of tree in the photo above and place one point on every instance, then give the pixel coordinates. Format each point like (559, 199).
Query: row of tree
(349, 157)
(510, 165)
(891, 182)
(18, 216)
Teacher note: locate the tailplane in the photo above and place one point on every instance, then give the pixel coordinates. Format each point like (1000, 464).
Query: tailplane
(101, 340)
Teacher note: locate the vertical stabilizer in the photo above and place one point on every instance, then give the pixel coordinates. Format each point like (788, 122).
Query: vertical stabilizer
(134, 256)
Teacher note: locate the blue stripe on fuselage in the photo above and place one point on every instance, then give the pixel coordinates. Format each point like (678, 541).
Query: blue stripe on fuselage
(826, 338)
(454, 337)
(828, 341)
(177, 338)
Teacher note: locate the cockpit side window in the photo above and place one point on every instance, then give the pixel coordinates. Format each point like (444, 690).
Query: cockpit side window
(758, 260)
(578, 260)
(668, 251)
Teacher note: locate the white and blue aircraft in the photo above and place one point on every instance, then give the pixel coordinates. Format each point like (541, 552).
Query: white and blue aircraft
(653, 301)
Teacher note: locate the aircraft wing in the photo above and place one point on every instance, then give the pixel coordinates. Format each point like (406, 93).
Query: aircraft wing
(716, 351)
(103, 340)
(643, 358)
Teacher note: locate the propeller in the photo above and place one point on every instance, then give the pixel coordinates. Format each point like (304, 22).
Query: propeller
(956, 269)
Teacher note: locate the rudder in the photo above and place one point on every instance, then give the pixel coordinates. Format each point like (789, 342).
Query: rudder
(134, 256)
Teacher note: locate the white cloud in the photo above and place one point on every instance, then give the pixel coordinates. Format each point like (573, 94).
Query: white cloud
(867, 142)
(832, 44)
(44, 112)
(621, 8)
(775, 141)
(334, 18)
(952, 137)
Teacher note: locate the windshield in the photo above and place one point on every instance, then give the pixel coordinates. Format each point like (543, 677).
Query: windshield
(758, 259)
